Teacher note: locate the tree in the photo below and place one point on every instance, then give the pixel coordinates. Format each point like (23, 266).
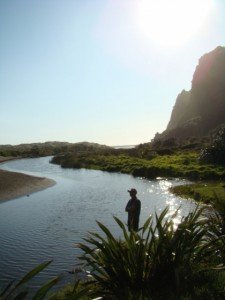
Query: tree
(215, 153)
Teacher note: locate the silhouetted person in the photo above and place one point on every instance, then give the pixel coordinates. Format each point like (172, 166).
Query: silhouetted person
(133, 208)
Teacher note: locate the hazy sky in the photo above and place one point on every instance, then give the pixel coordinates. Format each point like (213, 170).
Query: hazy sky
(105, 71)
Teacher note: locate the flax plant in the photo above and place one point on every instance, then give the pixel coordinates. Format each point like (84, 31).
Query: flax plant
(217, 227)
(159, 261)
(19, 291)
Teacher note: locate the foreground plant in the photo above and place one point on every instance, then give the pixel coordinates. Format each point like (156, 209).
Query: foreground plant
(18, 291)
(159, 262)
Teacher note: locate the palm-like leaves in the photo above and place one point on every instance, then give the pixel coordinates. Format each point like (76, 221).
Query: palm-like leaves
(16, 291)
(159, 260)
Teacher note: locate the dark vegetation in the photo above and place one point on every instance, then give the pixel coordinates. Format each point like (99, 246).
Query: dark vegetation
(207, 192)
(215, 153)
(168, 158)
(18, 290)
(48, 148)
(160, 261)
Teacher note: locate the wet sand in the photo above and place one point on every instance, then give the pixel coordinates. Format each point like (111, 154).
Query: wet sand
(13, 184)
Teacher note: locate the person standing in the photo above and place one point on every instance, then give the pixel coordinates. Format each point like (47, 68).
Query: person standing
(133, 208)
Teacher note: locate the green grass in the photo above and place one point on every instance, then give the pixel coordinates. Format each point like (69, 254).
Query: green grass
(181, 164)
(202, 192)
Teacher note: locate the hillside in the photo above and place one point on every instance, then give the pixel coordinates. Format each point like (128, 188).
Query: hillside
(49, 148)
(201, 110)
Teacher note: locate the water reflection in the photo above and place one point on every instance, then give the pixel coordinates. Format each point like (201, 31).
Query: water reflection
(49, 223)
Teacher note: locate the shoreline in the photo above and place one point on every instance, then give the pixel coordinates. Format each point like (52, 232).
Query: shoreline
(15, 184)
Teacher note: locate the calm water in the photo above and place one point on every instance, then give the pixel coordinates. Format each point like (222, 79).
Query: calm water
(49, 223)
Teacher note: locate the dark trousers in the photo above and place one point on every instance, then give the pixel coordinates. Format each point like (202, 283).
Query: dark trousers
(133, 224)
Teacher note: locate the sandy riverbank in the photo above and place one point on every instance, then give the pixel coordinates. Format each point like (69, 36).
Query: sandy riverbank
(13, 184)
(3, 158)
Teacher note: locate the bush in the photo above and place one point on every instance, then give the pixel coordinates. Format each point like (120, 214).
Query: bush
(159, 262)
(18, 290)
(216, 152)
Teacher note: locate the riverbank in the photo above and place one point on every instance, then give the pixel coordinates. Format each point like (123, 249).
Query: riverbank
(182, 164)
(178, 165)
(7, 158)
(205, 192)
(13, 184)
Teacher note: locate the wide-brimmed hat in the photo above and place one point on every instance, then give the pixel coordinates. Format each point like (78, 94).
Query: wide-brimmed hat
(132, 191)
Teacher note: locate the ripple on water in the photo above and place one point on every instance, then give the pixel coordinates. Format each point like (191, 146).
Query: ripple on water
(49, 224)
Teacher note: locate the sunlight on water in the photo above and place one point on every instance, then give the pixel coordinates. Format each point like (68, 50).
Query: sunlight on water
(48, 224)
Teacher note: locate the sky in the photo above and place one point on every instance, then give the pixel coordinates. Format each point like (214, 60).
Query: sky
(104, 71)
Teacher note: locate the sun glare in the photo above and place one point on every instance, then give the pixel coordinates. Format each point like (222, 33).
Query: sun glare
(172, 22)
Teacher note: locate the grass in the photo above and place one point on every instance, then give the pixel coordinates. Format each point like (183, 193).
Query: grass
(181, 164)
(202, 192)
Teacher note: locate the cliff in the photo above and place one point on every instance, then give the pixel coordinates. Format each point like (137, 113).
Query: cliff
(202, 109)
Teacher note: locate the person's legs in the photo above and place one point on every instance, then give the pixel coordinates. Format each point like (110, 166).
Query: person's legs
(135, 224)
(129, 225)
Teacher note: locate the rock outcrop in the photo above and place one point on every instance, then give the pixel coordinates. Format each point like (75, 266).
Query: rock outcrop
(202, 109)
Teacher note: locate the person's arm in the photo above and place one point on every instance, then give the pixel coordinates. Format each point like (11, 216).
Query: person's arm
(128, 207)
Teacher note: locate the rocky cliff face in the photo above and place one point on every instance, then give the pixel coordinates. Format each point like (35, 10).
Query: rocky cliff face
(201, 109)
(179, 113)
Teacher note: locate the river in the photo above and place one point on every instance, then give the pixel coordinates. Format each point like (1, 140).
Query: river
(48, 224)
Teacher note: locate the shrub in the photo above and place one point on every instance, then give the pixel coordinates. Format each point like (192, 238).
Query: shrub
(160, 261)
(216, 152)
(15, 291)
